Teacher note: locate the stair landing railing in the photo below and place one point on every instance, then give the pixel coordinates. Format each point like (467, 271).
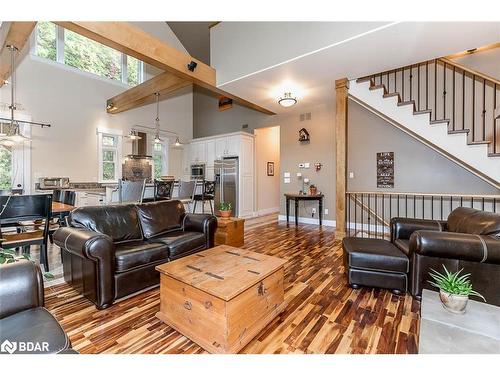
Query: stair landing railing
(463, 98)
(368, 214)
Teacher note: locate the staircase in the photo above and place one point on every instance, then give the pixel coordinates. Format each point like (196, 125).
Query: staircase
(445, 105)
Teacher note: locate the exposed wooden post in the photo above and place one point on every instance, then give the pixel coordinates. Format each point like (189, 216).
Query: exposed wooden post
(341, 89)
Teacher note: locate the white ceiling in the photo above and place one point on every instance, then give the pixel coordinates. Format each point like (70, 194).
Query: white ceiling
(311, 74)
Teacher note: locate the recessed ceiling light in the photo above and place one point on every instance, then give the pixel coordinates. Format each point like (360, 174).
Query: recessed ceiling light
(287, 100)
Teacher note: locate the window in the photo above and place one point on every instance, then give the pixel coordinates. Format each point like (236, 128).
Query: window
(46, 40)
(5, 168)
(109, 156)
(159, 160)
(64, 46)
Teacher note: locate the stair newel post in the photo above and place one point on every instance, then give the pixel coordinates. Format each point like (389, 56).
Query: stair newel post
(341, 90)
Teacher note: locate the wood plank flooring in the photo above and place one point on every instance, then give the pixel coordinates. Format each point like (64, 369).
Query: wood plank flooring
(323, 314)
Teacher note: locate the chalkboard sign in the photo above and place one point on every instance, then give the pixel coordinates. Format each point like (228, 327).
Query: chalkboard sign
(385, 170)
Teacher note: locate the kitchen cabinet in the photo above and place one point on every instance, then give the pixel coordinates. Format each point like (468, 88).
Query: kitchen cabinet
(239, 144)
(84, 199)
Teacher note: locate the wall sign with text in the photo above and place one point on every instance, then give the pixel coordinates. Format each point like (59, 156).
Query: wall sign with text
(385, 170)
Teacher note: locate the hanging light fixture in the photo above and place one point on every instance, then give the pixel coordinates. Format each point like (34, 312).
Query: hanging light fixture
(287, 100)
(133, 135)
(157, 120)
(13, 134)
(177, 142)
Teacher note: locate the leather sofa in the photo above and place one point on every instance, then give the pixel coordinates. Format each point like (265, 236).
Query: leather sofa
(111, 251)
(469, 239)
(24, 322)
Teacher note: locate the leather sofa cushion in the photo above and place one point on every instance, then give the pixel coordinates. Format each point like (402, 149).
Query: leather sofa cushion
(403, 245)
(34, 325)
(374, 254)
(120, 222)
(160, 217)
(472, 221)
(181, 243)
(138, 253)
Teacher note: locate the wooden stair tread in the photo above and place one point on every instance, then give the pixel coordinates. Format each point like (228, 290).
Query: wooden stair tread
(376, 87)
(493, 154)
(423, 112)
(389, 95)
(407, 102)
(458, 131)
(479, 143)
(364, 79)
(432, 122)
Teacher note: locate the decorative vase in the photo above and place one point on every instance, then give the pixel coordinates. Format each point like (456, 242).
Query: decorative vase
(454, 303)
(225, 214)
(313, 190)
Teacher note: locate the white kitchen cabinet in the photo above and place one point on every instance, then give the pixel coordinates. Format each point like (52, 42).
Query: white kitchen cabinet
(210, 152)
(238, 144)
(84, 199)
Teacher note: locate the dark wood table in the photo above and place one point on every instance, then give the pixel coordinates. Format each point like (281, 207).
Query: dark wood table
(302, 197)
(61, 208)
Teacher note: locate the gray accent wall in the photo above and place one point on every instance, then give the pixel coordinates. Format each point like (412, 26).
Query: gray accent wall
(208, 120)
(418, 168)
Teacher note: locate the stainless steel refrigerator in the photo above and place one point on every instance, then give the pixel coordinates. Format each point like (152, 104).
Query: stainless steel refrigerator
(226, 183)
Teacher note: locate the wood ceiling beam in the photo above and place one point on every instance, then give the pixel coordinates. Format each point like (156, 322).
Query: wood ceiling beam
(17, 35)
(134, 42)
(165, 84)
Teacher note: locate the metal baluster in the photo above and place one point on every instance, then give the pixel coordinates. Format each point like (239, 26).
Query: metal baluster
(472, 202)
(355, 215)
(482, 204)
(406, 205)
(473, 107)
(418, 87)
(398, 205)
(441, 203)
(432, 207)
(427, 85)
(414, 207)
(444, 90)
(383, 215)
(376, 214)
(494, 120)
(494, 205)
(453, 115)
(423, 207)
(435, 89)
(411, 80)
(403, 85)
(461, 201)
(463, 99)
(484, 110)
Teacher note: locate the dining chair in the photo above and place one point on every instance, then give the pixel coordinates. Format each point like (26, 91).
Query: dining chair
(18, 214)
(57, 220)
(163, 190)
(207, 194)
(131, 191)
(186, 193)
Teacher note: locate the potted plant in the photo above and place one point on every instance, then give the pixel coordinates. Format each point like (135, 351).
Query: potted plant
(225, 209)
(313, 190)
(454, 289)
(10, 256)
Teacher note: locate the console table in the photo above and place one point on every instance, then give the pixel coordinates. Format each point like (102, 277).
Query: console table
(302, 197)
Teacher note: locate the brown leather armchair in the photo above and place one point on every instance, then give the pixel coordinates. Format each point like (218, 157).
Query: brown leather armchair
(26, 327)
(111, 251)
(469, 239)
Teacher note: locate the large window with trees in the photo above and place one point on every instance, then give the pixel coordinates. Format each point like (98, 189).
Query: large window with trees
(5, 168)
(55, 43)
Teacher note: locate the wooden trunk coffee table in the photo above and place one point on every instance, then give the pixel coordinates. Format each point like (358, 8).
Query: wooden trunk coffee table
(221, 298)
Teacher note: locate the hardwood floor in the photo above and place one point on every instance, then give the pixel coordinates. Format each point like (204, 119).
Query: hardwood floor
(323, 314)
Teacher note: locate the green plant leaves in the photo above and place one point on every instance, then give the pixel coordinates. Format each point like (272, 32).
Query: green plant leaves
(453, 283)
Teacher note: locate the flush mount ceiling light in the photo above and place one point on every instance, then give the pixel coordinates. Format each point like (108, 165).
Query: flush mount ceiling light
(287, 100)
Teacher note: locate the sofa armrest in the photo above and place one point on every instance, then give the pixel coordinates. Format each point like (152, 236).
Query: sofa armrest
(204, 223)
(462, 246)
(85, 243)
(402, 228)
(98, 252)
(21, 287)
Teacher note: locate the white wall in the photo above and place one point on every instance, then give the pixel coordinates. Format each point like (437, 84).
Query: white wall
(487, 62)
(267, 149)
(74, 102)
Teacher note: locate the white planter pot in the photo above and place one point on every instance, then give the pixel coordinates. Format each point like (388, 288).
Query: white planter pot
(454, 303)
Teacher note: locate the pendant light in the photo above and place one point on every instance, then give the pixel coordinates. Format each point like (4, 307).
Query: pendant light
(157, 121)
(133, 135)
(177, 142)
(12, 134)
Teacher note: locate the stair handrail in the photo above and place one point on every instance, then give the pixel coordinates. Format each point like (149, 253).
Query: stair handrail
(469, 70)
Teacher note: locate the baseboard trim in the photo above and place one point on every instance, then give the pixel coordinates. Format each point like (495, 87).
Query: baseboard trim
(308, 220)
(268, 211)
